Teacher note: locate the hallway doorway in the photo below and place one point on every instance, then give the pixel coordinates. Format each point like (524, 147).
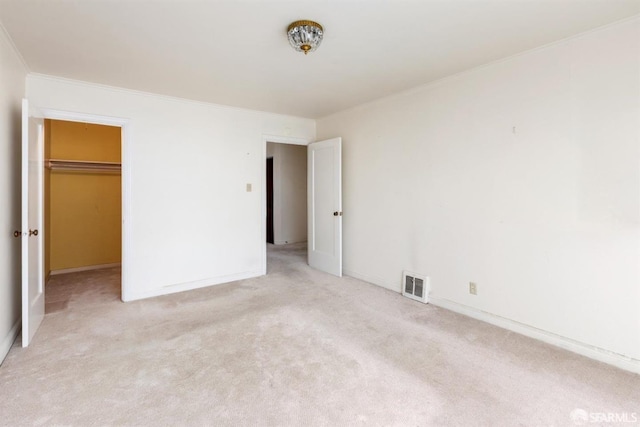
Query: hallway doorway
(286, 194)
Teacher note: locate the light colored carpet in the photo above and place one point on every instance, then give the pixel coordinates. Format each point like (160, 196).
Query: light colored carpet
(296, 347)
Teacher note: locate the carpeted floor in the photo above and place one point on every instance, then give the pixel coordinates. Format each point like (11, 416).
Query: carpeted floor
(296, 347)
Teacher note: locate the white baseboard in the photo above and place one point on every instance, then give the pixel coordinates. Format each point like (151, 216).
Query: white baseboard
(85, 268)
(374, 280)
(188, 286)
(9, 339)
(288, 242)
(592, 352)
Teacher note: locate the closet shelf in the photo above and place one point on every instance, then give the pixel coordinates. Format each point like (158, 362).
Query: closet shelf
(82, 166)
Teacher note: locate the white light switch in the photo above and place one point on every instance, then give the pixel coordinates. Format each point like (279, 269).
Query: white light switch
(249, 187)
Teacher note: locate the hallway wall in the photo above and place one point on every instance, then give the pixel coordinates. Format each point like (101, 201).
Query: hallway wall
(289, 192)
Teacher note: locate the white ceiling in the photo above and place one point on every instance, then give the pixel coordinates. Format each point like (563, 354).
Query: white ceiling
(236, 52)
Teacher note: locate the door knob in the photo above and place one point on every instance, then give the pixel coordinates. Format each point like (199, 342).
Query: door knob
(17, 233)
(336, 213)
(33, 232)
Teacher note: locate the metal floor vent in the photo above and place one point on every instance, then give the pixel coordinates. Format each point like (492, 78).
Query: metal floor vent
(415, 286)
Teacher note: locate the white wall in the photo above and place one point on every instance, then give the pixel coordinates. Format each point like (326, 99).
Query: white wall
(289, 192)
(522, 176)
(12, 86)
(192, 222)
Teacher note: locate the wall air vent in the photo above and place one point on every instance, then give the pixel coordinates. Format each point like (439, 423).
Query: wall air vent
(415, 286)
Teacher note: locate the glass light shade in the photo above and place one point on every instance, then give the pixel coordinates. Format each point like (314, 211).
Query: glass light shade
(305, 36)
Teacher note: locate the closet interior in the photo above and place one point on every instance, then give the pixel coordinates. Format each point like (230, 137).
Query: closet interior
(82, 197)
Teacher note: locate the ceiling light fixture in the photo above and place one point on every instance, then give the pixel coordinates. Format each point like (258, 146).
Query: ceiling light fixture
(305, 36)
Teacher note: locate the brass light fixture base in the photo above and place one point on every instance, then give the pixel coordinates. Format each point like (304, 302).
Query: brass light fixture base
(304, 22)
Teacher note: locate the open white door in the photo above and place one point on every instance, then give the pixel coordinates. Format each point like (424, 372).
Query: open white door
(32, 214)
(324, 159)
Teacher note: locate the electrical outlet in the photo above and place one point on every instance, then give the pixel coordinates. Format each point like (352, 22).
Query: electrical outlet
(473, 289)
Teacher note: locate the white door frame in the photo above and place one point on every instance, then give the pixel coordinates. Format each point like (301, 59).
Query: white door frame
(125, 125)
(278, 139)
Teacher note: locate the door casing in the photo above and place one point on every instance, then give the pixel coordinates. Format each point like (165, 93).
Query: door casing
(125, 126)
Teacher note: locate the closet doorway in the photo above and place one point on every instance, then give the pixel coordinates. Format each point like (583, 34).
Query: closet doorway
(82, 211)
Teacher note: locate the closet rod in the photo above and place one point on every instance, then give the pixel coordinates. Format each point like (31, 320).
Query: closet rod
(82, 165)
